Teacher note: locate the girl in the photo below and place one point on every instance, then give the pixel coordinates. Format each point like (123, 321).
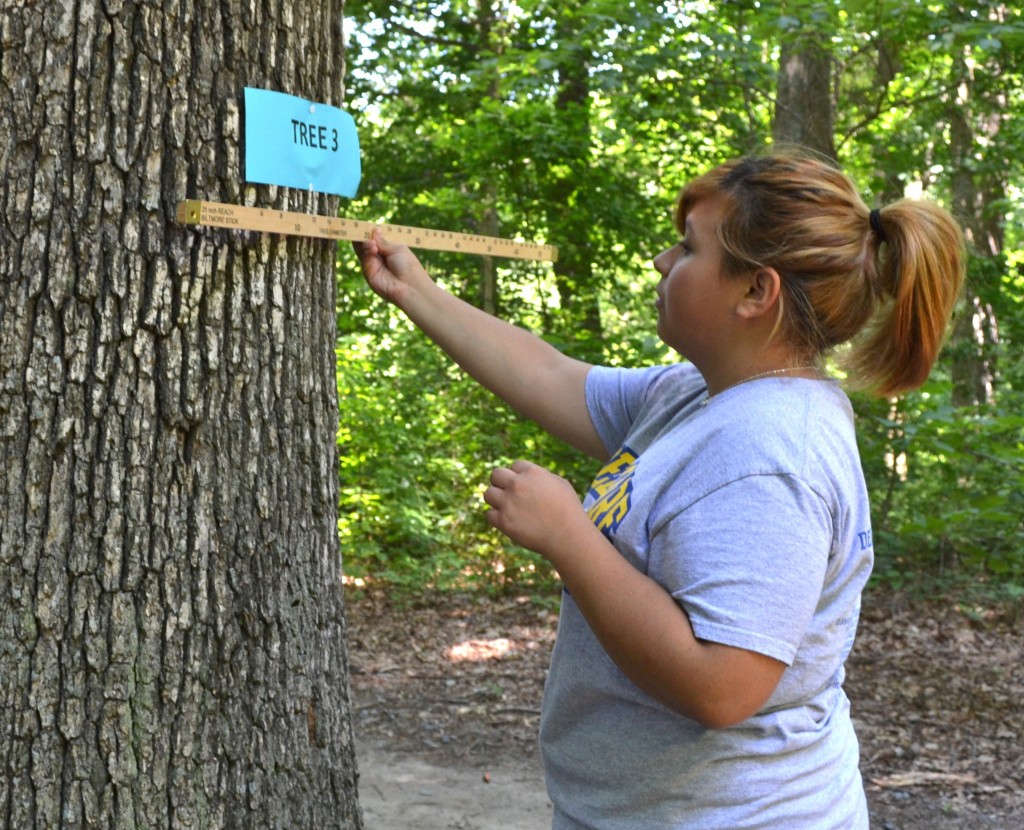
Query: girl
(713, 573)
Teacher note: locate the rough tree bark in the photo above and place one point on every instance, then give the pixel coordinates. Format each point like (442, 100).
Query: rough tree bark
(171, 622)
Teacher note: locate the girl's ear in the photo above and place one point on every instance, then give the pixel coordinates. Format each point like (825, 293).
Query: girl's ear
(762, 294)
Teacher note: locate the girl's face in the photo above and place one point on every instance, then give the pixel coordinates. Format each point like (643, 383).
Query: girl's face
(696, 298)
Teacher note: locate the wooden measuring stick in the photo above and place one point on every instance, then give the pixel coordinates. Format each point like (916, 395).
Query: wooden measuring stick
(243, 218)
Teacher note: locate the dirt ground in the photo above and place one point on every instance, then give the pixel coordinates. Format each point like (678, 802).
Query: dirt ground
(447, 703)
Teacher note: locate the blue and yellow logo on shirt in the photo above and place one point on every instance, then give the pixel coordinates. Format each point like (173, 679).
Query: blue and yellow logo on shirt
(611, 491)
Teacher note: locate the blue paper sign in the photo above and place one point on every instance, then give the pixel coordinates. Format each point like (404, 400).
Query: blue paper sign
(297, 143)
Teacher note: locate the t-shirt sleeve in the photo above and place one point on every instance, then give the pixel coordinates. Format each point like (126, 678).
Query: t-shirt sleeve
(615, 398)
(747, 562)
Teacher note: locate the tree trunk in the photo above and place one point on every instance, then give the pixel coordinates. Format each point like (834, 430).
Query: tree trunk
(570, 195)
(487, 223)
(976, 331)
(804, 111)
(171, 622)
(489, 226)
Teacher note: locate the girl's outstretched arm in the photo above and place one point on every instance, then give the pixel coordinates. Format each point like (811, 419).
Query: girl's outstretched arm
(530, 375)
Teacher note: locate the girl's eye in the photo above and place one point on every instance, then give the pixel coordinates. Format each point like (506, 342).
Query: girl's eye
(684, 246)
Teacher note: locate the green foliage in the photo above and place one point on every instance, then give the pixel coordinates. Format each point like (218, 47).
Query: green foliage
(948, 482)
(417, 441)
(946, 488)
(576, 124)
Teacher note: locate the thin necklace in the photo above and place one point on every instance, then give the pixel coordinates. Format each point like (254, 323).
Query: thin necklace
(770, 373)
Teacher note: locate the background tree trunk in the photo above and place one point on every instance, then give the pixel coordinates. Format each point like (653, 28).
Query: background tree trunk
(171, 622)
(975, 186)
(570, 195)
(804, 110)
(487, 222)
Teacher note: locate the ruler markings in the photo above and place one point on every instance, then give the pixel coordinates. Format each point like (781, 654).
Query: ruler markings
(241, 217)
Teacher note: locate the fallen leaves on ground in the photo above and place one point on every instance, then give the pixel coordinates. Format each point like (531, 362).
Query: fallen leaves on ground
(455, 679)
(937, 697)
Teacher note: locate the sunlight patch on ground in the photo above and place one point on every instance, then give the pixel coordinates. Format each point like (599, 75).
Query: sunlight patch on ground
(476, 650)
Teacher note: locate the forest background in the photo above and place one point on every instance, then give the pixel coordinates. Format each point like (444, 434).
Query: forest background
(576, 124)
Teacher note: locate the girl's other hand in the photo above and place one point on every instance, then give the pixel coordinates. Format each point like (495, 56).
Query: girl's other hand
(536, 509)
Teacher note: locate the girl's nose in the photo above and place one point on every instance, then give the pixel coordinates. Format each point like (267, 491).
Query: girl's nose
(663, 262)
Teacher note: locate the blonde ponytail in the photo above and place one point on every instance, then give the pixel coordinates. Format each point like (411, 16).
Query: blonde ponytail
(920, 270)
(884, 282)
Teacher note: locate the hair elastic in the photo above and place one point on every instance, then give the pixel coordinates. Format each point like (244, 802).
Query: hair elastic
(875, 218)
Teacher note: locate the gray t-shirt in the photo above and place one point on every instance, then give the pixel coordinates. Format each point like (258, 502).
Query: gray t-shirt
(752, 512)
